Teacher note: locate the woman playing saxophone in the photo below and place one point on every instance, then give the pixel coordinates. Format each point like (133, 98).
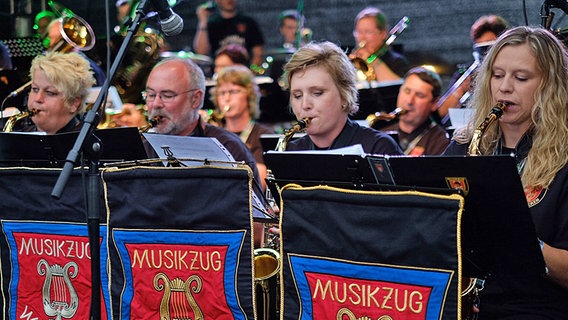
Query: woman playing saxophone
(60, 83)
(525, 75)
(322, 85)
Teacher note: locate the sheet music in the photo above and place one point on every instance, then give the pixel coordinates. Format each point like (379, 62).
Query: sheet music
(195, 148)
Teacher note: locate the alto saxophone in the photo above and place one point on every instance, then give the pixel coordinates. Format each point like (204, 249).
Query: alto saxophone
(9, 126)
(151, 124)
(378, 116)
(297, 127)
(495, 114)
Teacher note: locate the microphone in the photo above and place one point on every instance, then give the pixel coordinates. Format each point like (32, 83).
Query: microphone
(171, 22)
(21, 89)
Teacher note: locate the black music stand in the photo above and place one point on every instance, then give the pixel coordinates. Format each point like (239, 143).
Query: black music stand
(38, 150)
(498, 234)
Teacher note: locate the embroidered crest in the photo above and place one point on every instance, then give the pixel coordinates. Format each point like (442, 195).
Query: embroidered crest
(534, 196)
(60, 299)
(458, 183)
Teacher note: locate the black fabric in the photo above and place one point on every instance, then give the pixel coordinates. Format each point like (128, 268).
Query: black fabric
(38, 233)
(507, 296)
(194, 212)
(240, 29)
(364, 236)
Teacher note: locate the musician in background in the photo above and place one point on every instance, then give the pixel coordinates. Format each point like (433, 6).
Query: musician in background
(371, 32)
(290, 21)
(216, 30)
(417, 133)
(54, 36)
(236, 95)
(323, 87)
(230, 55)
(483, 33)
(60, 84)
(527, 69)
(5, 60)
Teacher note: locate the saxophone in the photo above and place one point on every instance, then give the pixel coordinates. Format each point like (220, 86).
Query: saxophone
(9, 126)
(472, 286)
(151, 124)
(383, 116)
(297, 127)
(493, 115)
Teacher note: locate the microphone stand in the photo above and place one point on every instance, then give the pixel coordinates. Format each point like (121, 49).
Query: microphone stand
(89, 143)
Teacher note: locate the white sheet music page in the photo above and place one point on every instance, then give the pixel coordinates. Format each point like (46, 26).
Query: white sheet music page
(198, 149)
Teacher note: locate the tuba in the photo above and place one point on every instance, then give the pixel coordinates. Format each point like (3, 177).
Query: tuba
(365, 70)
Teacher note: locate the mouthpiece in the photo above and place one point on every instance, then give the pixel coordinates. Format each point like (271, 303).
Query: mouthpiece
(226, 108)
(301, 124)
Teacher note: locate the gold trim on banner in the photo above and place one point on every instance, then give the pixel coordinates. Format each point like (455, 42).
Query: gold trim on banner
(455, 196)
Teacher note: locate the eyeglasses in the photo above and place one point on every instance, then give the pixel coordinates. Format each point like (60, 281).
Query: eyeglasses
(167, 96)
(231, 92)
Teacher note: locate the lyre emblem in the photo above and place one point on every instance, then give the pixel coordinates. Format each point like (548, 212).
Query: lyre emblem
(177, 297)
(351, 316)
(59, 297)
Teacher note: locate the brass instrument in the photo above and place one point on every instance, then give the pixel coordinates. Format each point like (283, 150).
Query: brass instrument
(216, 118)
(472, 286)
(9, 126)
(297, 127)
(151, 124)
(75, 32)
(378, 116)
(266, 265)
(496, 113)
(365, 70)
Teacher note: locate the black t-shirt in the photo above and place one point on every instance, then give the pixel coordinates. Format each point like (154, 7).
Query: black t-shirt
(373, 141)
(240, 29)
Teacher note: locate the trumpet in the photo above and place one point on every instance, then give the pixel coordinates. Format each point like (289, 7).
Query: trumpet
(365, 70)
(151, 124)
(9, 126)
(378, 116)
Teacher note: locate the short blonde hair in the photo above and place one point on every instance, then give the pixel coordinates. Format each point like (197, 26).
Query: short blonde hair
(70, 73)
(335, 62)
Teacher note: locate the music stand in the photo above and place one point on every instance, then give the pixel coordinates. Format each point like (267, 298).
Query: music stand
(40, 150)
(497, 234)
(497, 228)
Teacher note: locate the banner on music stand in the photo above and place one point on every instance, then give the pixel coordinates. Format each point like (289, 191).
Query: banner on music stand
(180, 242)
(351, 254)
(45, 251)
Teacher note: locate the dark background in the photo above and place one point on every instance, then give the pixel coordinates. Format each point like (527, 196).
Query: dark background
(438, 32)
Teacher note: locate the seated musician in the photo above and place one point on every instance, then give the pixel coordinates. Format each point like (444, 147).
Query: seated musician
(483, 33)
(176, 104)
(323, 87)
(417, 133)
(371, 32)
(60, 83)
(525, 75)
(237, 96)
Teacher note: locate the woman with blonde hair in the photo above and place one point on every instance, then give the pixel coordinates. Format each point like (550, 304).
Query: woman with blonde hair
(527, 70)
(60, 83)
